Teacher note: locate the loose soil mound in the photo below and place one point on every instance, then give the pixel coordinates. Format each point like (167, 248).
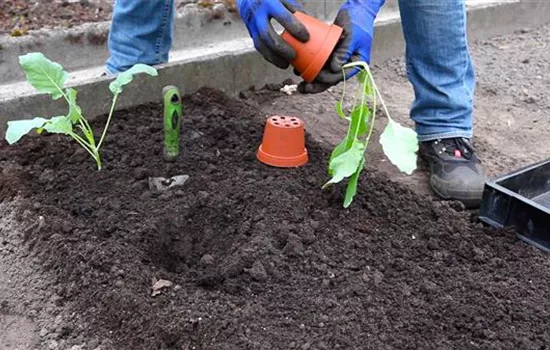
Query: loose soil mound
(261, 258)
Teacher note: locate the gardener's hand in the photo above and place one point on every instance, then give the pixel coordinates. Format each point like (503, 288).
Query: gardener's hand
(356, 17)
(256, 15)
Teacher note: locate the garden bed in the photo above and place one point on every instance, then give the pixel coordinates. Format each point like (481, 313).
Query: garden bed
(259, 258)
(17, 17)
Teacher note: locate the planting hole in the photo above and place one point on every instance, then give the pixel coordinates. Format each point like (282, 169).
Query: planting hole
(283, 118)
(276, 123)
(293, 119)
(295, 123)
(287, 125)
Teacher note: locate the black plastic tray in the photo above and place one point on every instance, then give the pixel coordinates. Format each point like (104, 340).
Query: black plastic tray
(521, 200)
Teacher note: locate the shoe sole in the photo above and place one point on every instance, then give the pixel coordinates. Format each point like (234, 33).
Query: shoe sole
(471, 199)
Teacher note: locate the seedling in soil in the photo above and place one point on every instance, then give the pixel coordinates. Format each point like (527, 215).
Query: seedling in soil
(50, 78)
(349, 157)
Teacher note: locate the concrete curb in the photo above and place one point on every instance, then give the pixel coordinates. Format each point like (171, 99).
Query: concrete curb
(238, 67)
(85, 46)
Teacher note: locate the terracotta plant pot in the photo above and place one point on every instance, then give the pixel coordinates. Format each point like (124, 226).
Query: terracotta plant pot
(283, 143)
(312, 55)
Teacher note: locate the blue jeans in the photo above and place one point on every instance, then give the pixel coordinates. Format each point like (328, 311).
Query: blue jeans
(141, 32)
(439, 67)
(439, 64)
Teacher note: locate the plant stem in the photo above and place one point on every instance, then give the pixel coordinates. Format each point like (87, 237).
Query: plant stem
(86, 127)
(373, 112)
(354, 133)
(92, 151)
(379, 94)
(376, 93)
(83, 144)
(108, 121)
(98, 161)
(87, 130)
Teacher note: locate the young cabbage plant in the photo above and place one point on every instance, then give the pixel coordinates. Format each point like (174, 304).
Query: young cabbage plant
(49, 77)
(349, 157)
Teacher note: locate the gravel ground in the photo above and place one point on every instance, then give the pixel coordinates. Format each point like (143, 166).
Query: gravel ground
(17, 17)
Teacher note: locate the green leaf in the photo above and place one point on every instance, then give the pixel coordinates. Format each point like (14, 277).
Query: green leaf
(340, 110)
(367, 89)
(59, 125)
(75, 113)
(126, 77)
(362, 76)
(44, 75)
(400, 145)
(351, 190)
(338, 150)
(358, 125)
(19, 128)
(361, 116)
(346, 163)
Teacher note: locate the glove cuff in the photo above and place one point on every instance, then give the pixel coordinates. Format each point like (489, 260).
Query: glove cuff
(371, 6)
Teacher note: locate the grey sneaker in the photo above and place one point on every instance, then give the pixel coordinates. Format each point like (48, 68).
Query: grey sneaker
(455, 170)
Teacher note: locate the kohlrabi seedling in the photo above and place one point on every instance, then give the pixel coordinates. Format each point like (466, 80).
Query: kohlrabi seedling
(50, 78)
(348, 158)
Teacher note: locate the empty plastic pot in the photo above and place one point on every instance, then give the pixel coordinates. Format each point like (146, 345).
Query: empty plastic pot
(283, 143)
(312, 55)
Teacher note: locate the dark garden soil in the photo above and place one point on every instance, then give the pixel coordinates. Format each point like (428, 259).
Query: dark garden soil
(261, 258)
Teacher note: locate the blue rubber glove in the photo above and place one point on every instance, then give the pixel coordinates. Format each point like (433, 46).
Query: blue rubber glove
(356, 17)
(256, 14)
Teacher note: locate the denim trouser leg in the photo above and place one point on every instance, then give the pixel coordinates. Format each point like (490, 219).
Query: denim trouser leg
(141, 32)
(439, 67)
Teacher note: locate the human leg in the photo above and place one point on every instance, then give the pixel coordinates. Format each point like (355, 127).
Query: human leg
(440, 68)
(141, 32)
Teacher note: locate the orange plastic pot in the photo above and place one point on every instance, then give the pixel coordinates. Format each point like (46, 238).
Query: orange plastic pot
(312, 55)
(283, 143)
